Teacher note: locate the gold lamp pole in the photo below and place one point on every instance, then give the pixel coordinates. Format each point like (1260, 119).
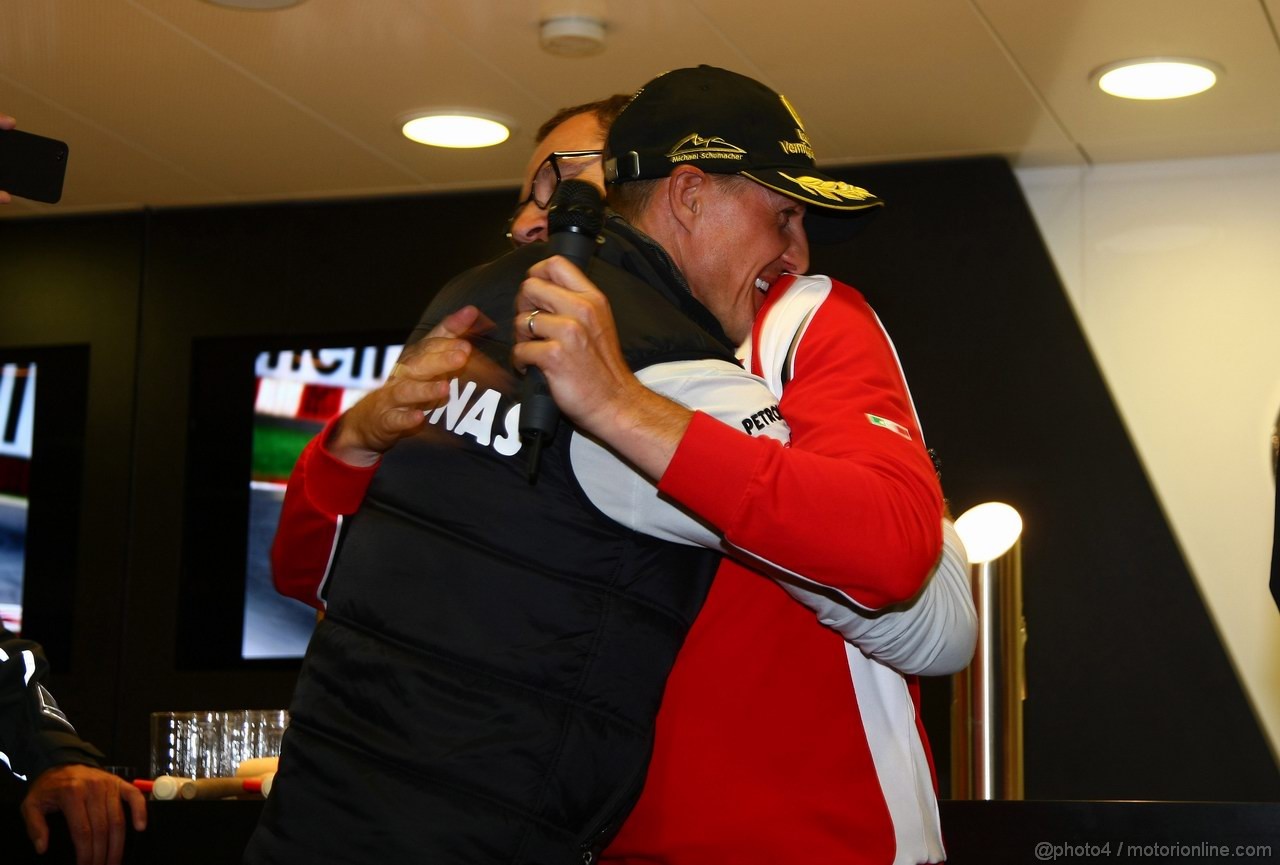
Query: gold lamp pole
(986, 709)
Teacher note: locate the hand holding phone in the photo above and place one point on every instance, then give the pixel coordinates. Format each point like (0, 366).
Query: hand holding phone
(31, 166)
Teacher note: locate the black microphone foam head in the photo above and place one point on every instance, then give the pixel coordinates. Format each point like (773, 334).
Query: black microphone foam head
(575, 206)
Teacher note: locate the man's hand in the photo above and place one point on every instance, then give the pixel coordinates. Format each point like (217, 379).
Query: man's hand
(6, 122)
(574, 341)
(89, 799)
(419, 383)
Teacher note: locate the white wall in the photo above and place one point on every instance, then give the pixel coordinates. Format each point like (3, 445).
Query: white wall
(1174, 272)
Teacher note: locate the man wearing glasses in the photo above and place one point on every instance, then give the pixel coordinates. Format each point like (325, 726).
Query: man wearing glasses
(483, 685)
(569, 146)
(553, 162)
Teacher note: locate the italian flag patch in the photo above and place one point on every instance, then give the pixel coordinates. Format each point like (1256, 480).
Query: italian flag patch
(885, 423)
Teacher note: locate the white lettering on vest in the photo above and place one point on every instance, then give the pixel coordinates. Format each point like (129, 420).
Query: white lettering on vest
(453, 408)
(509, 444)
(479, 419)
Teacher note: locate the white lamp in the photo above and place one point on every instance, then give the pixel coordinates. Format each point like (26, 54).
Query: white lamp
(986, 710)
(256, 5)
(1157, 77)
(455, 129)
(988, 531)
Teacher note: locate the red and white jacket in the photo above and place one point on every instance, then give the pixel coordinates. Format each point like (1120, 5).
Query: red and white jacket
(780, 740)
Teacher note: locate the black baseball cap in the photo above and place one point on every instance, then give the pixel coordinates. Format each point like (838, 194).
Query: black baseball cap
(726, 123)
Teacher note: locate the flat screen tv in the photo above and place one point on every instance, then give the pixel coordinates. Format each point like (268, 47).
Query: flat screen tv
(17, 420)
(43, 404)
(256, 403)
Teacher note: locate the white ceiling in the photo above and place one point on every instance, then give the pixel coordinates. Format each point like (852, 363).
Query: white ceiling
(177, 102)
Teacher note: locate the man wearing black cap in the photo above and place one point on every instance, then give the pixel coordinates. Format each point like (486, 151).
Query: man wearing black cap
(600, 483)
(764, 753)
(484, 685)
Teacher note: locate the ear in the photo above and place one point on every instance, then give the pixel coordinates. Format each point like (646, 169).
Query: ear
(685, 190)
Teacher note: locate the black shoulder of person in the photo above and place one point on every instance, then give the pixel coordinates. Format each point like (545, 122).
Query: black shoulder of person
(648, 304)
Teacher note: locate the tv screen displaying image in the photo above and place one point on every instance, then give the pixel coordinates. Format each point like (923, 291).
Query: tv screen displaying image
(42, 453)
(256, 402)
(296, 392)
(17, 422)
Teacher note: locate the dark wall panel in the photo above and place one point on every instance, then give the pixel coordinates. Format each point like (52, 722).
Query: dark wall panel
(1130, 692)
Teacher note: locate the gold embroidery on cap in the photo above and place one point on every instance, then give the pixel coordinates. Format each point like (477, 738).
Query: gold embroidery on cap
(795, 115)
(801, 146)
(694, 146)
(833, 190)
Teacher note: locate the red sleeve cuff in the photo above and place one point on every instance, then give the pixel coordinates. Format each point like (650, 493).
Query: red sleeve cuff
(333, 486)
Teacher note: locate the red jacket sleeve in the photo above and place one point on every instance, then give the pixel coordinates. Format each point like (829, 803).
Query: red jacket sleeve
(321, 489)
(854, 503)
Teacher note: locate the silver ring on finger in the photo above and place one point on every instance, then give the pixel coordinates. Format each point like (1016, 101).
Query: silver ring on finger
(528, 322)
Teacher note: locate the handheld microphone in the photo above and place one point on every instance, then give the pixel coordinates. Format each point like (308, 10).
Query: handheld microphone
(575, 216)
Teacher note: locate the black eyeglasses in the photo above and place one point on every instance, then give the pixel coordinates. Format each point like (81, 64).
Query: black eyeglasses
(558, 166)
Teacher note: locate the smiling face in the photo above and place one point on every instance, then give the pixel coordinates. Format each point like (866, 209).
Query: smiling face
(744, 237)
(579, 132)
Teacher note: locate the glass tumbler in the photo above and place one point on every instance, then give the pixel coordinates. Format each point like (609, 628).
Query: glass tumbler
(267, 727)
(174, 744)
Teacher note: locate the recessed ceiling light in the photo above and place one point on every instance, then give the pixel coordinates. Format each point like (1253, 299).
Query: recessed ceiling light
(1157, 77)
(255, 4)
(455, 129)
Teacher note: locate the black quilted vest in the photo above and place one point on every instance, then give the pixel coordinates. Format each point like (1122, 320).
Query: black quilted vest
(485, 683)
